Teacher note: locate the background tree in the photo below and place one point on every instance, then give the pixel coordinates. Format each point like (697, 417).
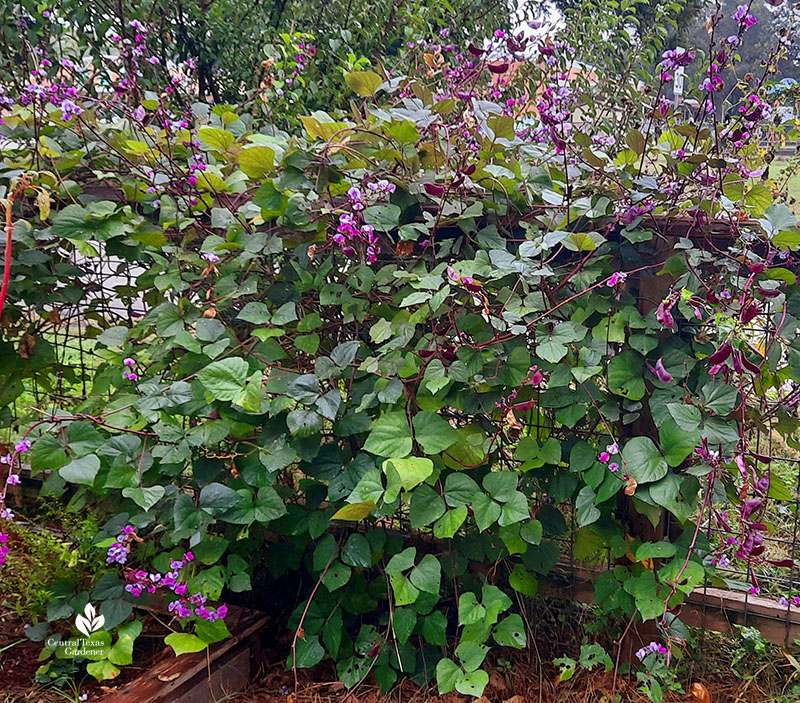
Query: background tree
(237, 42)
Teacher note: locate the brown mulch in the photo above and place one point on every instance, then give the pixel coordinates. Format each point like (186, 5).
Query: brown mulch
(18, 658)
(522, 681)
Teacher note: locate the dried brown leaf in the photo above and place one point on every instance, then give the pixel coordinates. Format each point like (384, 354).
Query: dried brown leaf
(700, 693)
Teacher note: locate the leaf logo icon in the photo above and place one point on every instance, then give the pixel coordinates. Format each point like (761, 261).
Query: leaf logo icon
(90, 621)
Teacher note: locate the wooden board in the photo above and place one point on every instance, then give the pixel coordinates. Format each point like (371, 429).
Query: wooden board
(708, 608)
(202, 677)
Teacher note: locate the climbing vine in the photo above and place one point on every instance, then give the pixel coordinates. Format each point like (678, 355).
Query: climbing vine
(500, 298)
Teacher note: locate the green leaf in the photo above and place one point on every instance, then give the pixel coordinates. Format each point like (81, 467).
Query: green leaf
(268, 505)
(469, 610)
(216, 498)
(501, 485)
(510, 632)
(523, 581)
(426, 505)
(102, 670)
(402, 561)
(687, 417)
(257, 160)
(82, 471)
(532, 532)
(285, 314)
(678, 494)
(384, 218)
(587, 512)
(145, 498)
(211, 632)
(184, 643)
(471, 654)
(719, 397)
(433, 432)
(686, 576)
(447, 525)
(405, 593)
(406, 473)
(434, 629)
(472, 683)
(308, 652)
(121, 653)
(787, 239)
(460, 489)
(777, 218)
(495, 602)
(514, 510)
(304, 423)
(447, 674)
(225, 379)
(486, 511)
(356, 551)
(676, 442)
(336, 576)
(257, 313)
(655, 550)
(643, 461)
(364, 83)
(390, 436)
(427, 575)
(625, 375)
(404, 621)
(114, 336)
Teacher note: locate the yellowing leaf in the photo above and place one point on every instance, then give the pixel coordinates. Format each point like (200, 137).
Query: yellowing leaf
(255, 161)
(322, 130)
(136, 147)
(759, 197)
(216, 138)
(355, 511)
(211, 181)
(43, 203)
(365, 83)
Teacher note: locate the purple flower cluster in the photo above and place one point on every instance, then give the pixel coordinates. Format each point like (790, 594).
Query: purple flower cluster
(652, 648)
(4, 548)
(118, 552)
(605, 457)
(675, 58)
(713, 81)
(467, 281)
(743, 17)
(616, 278)
(555, 110)
(128, 375)
(12, 479)
(185, 606)
(352, 231)
(627, 215)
